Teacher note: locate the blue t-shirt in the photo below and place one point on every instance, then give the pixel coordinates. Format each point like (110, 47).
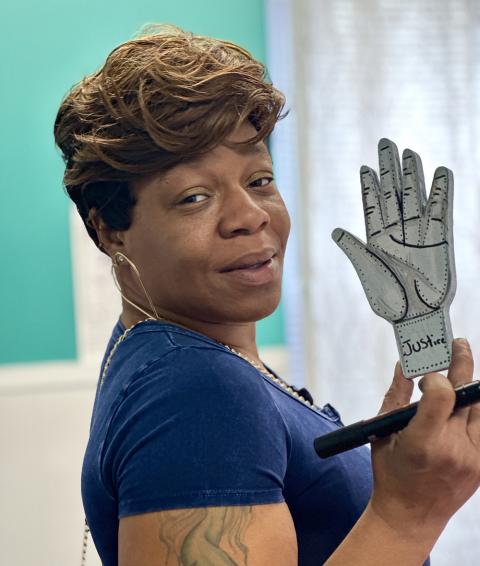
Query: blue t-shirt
(181, 421)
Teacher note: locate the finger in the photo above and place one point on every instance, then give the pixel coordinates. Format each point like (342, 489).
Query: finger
(461, 371)
(399, 393)
(438, 221)
(414, 196)
(390, 182)
(384, 292)
(461, 366)
(371, 203)
(473, 424)
(435, 407)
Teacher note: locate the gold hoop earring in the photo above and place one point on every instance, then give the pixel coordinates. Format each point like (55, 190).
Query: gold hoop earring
(119, 260)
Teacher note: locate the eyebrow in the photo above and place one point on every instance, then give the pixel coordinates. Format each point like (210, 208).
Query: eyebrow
(259, 147)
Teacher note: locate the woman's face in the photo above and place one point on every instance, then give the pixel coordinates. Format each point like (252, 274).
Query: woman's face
(193, 222)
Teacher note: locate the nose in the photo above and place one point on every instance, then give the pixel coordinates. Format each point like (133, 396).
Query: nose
(242, 214)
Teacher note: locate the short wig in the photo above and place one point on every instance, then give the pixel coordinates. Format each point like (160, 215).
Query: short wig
(160, 99)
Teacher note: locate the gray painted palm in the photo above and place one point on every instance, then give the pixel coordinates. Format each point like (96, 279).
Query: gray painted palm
(407, 266)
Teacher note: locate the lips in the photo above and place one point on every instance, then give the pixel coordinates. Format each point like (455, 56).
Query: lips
(250, 260)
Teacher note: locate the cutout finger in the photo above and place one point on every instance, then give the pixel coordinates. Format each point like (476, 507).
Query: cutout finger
(438, 212)
(414, 196)
(371, 202)
(390, 182)
(384, 292)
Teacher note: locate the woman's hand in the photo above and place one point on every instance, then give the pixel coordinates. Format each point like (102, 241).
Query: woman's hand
(427, 471)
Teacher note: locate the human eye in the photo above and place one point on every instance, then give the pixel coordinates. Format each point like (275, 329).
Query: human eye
(263, 181)
(191, 199)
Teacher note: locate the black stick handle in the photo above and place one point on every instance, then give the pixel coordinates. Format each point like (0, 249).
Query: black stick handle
(363, 432)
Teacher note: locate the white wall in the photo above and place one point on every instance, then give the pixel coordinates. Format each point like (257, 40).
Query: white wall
(43, 432)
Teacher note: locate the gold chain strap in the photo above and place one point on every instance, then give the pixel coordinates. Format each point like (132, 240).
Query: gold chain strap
(86, 530)
(119, 340)
(116, 345)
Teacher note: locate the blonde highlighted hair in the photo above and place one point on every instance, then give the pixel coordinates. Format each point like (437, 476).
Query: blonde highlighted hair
(160, 99)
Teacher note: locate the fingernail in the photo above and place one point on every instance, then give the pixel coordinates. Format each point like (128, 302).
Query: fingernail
(462, 342)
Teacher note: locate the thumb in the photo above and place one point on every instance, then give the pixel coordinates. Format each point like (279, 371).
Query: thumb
(339, 233)
(399, 392)
(381, 285)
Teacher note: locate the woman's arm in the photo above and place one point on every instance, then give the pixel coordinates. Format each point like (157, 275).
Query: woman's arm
(244, 535)
(373, 542)
(422, 475)
(255, 535)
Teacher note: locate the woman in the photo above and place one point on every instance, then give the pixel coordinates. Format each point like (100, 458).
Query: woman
(198, 452)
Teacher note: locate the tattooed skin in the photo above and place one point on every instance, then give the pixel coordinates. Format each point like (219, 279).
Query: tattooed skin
(210, 536)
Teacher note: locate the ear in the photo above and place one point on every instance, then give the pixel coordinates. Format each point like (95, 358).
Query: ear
(110, 240)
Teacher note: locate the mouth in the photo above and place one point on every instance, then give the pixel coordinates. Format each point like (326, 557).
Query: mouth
(251, 267)
(257, 274)
(251, 261)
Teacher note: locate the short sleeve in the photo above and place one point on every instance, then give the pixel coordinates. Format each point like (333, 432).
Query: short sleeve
(196, 428)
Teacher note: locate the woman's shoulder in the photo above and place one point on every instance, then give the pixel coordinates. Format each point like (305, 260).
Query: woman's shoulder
(163, 332)
(152, 340)
(165, 370)
(169, 352)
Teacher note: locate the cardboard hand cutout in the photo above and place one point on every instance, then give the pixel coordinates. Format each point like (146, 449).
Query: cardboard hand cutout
(407, 266)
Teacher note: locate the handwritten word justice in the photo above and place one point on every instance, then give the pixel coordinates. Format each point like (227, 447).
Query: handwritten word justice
(414, 347)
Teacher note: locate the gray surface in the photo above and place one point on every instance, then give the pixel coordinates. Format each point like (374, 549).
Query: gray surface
(407, 266)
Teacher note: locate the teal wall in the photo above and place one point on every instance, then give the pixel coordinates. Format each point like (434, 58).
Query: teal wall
(46, 46)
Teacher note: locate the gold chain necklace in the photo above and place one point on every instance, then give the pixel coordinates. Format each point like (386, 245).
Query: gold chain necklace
(274, 378)
(261, 369)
